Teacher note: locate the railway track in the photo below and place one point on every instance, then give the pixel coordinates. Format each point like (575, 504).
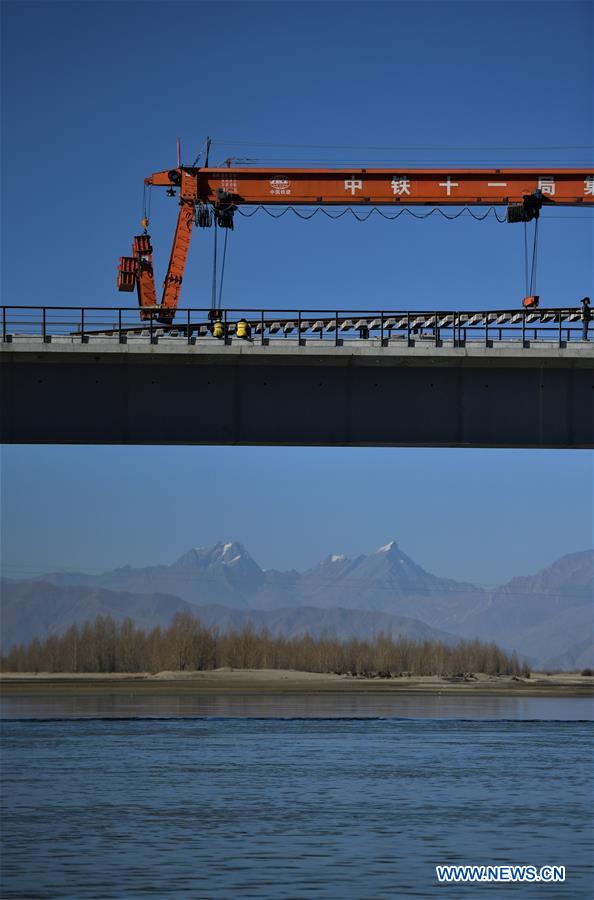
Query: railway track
(96, 322)
(377, 322)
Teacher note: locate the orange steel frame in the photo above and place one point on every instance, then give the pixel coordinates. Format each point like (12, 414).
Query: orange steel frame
(218, 187)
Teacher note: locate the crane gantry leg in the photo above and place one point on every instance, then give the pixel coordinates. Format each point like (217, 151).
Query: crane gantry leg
(177, 262)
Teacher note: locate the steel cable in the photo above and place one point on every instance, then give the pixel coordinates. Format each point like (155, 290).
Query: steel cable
(223, 269)
(526, 281)
(214, 268)
(534, 259)
(363, 217)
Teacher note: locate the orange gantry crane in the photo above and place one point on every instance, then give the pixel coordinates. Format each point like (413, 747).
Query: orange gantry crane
(212, 195)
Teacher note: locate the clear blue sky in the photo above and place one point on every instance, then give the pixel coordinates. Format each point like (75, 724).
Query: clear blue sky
(94, 96)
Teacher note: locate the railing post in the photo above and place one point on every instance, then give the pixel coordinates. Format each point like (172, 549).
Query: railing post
(336, 341)
(454, 329)
(82, 325)
(524, 328)
(486, 329)
(262, 327)
(226, 337)
(188, 333)
(435, 335)
(408, 337)
(120, 339)
(43, 326)
(3, 323)
(560, 329)
(300, 343)
(381, 329)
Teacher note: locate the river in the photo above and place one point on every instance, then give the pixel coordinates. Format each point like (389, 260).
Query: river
(293, 797)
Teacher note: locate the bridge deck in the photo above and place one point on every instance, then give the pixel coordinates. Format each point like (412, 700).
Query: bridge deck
(365, 392)
(367, 352)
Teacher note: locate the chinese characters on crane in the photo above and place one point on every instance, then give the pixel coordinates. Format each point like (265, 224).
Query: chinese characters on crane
(419, 188)
(229, 184)
(280, 186)
(448, 184)
(353, 184)
(400, 186)
(546, 185)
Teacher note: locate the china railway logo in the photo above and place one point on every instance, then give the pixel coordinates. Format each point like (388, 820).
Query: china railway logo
(280, 186)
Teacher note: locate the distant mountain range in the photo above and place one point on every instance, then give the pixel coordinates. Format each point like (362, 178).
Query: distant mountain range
(547, 617)
(36, 609)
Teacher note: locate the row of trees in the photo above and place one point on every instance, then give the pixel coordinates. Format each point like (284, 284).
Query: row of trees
(108, 646)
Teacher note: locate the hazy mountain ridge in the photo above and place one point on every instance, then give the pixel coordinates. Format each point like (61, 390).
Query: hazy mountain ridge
(36, 609)
(225, 574)
(545, 616)
(550, 613)
(335, 621)
(387, 580)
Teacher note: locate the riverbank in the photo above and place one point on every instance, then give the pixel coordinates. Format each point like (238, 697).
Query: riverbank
(287, 681)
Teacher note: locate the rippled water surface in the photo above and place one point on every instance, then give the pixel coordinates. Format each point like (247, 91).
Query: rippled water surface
(291, 807)
(137, 703)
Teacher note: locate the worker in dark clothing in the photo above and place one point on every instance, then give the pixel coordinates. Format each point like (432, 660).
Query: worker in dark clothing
(586, 316)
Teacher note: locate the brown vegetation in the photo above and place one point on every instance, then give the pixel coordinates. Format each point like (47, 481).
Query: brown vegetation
(106, 646)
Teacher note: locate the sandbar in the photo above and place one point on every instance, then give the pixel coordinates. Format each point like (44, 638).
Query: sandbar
(282, 681)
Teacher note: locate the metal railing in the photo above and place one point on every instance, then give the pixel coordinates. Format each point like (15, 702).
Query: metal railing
(385, 327)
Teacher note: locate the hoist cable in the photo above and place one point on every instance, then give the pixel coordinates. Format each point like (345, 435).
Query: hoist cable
(526, 281)
(146, 202)
(223, 269)
(534, 260)
(363, 217)
(213, 302)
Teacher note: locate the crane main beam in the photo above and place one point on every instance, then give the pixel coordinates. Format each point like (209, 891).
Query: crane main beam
(370, 187)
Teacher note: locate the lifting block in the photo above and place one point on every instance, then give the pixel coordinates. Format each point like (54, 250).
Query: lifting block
(142, 245)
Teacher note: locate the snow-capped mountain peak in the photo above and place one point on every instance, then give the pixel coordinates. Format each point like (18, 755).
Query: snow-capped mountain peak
(228, 552)
(222, 554)
(386, 548)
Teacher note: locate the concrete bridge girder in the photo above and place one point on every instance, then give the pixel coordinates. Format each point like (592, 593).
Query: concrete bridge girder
(356, 395)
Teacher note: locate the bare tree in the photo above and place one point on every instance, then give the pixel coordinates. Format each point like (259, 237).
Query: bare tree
(107, 646)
